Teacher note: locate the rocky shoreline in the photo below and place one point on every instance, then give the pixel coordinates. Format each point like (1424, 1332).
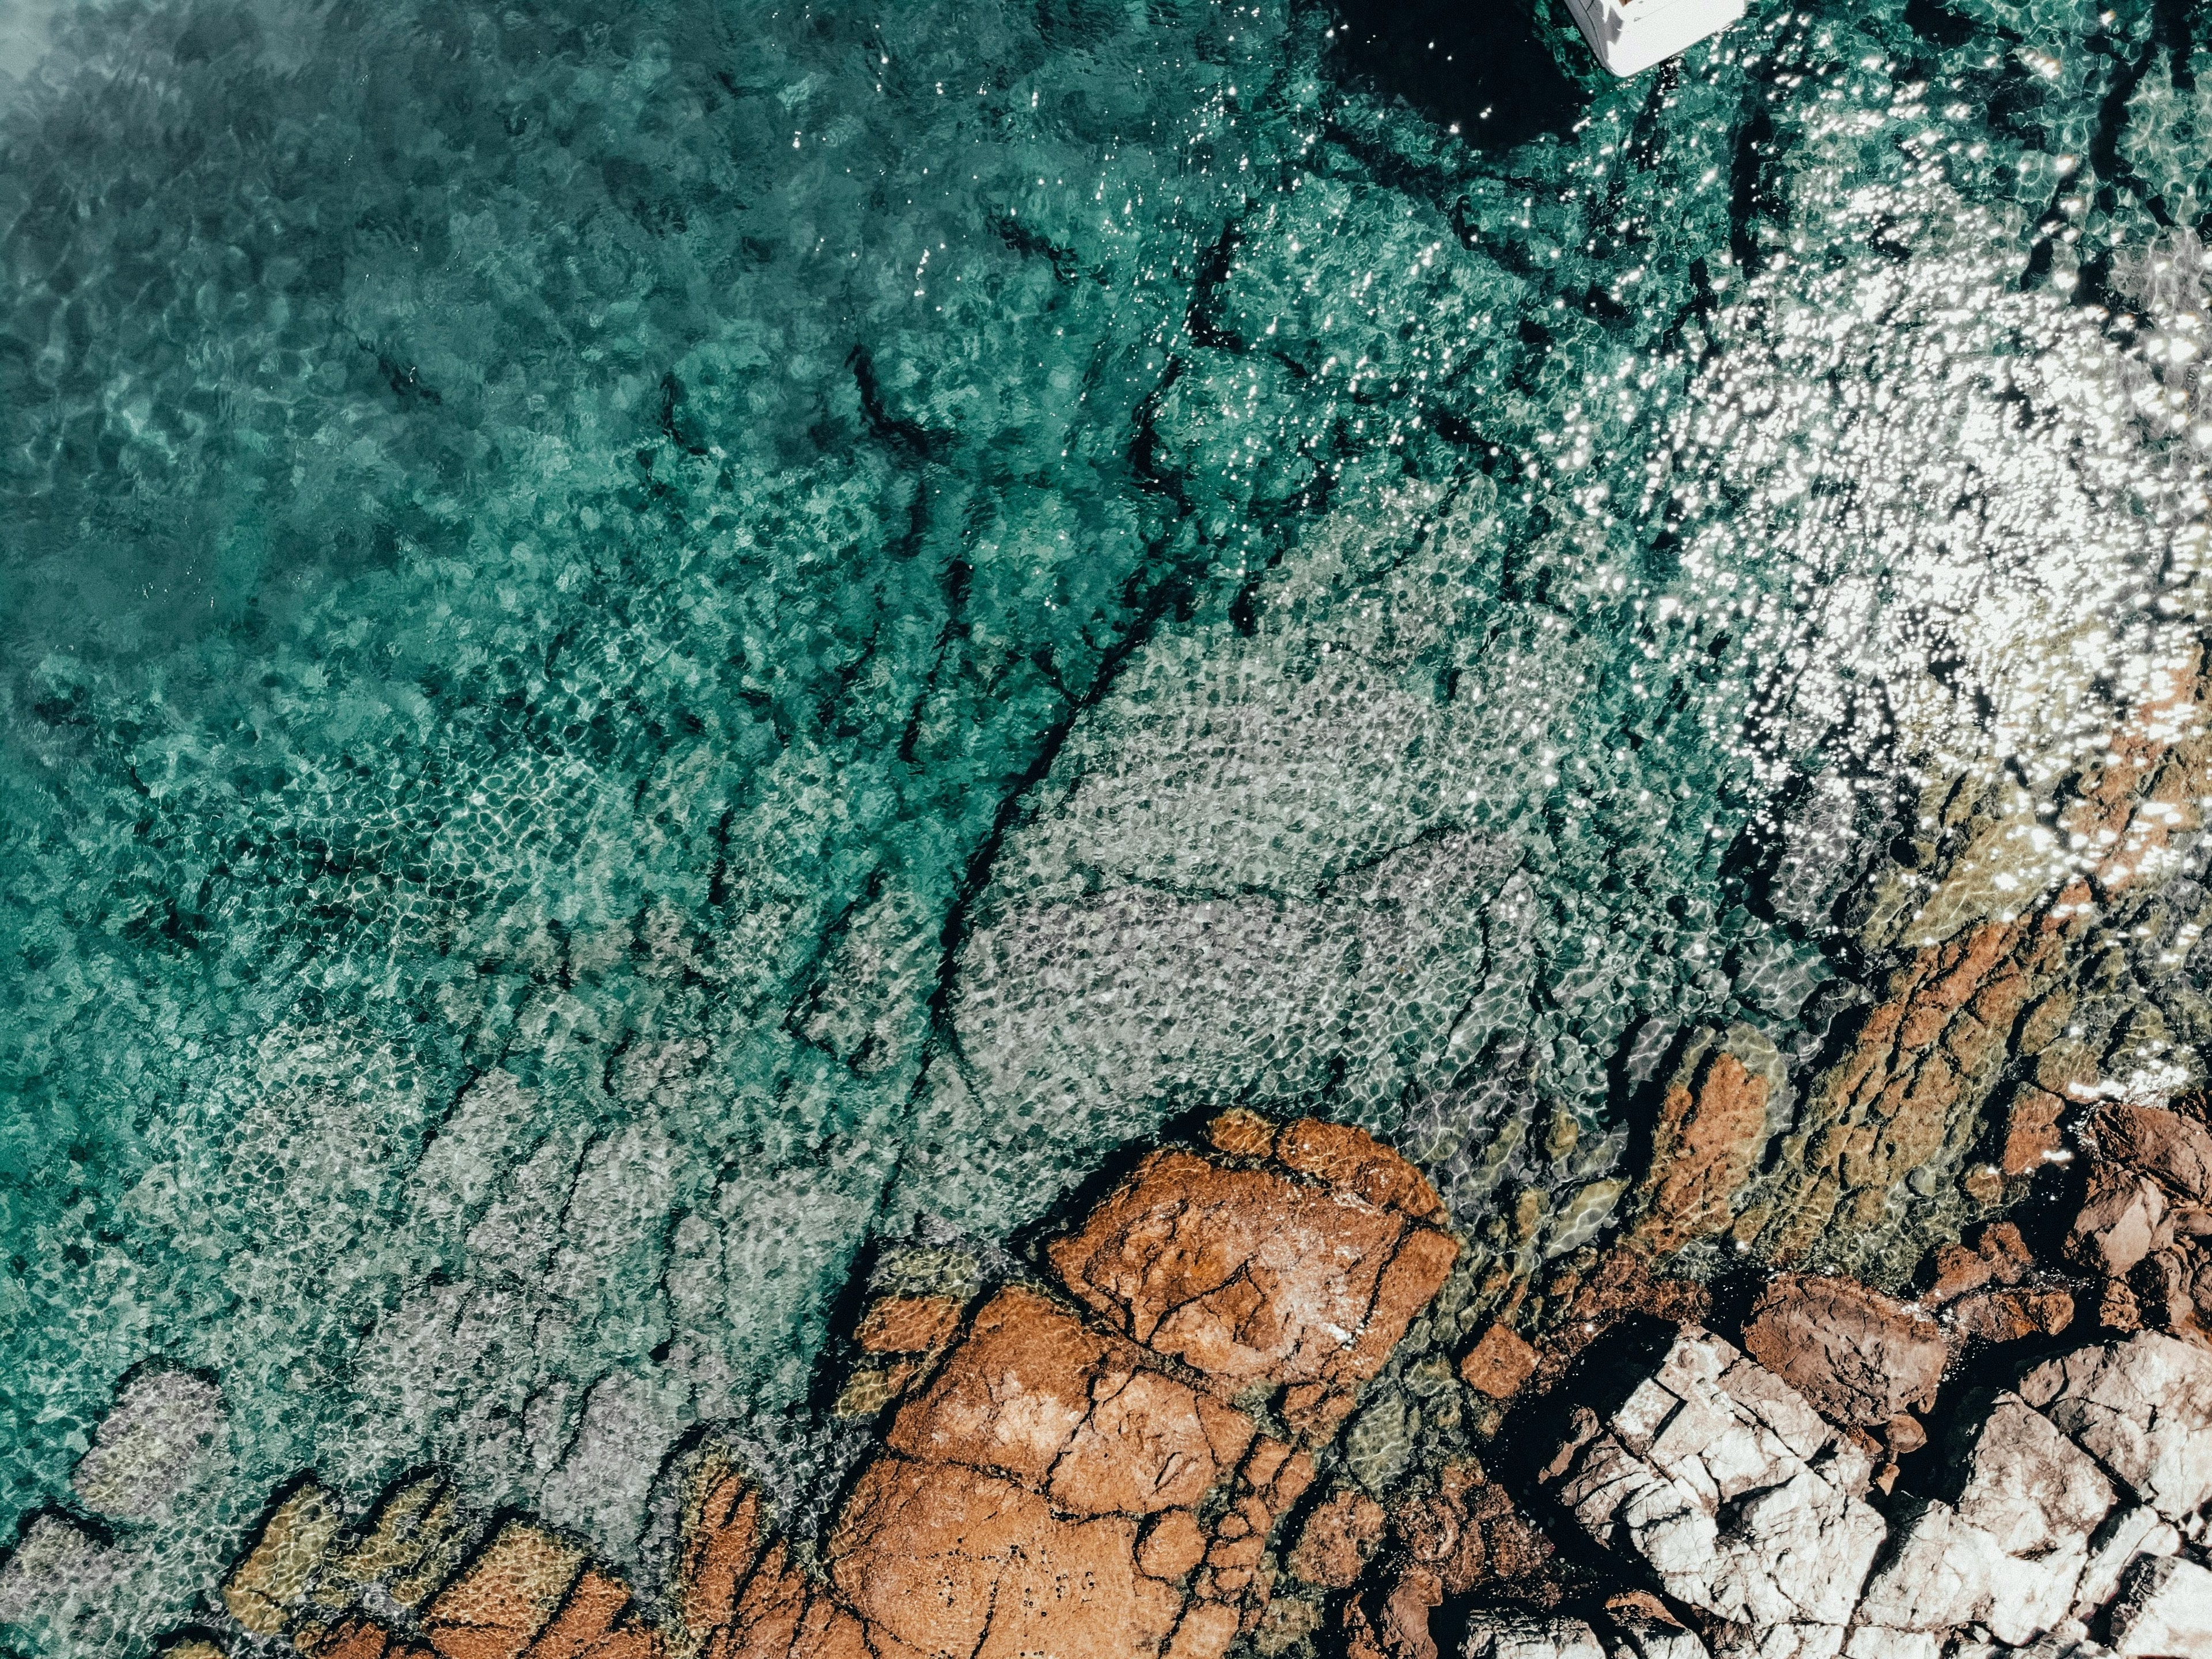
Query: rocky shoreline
(1253, 1400)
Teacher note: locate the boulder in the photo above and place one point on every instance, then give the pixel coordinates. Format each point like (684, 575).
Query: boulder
(2121, 1221)
(1255, 1277)
(2164, 1611)
(1856, 1355)
(1498, 1364)
(2175, 1149)
(2009, 1316)
(1339, 1538)
(2030, 1487)
(2143, 1408)
(1726, 1485)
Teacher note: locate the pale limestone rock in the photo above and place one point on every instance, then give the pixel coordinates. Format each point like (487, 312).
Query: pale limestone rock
(1647, 1639)
(2164, 1611)
(2143, 1408)
(1719, 1478)
(2030, 1487)
(2134, 1532)
(1937, 1576)
(1492, 1636)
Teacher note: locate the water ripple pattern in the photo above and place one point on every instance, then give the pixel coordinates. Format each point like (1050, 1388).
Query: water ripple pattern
(643, 643)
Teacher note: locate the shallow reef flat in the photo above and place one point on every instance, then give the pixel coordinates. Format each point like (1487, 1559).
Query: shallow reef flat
(681, 683)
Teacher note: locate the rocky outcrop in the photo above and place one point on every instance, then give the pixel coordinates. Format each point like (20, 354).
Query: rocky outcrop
(1097, 1467)
(2081, 1505)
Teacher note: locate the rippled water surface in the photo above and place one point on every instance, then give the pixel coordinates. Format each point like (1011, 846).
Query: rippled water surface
(644, 645)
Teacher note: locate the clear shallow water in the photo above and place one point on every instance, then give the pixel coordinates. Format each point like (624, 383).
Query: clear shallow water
(640, 646)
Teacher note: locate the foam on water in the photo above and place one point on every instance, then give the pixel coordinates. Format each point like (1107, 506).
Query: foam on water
(645, 644)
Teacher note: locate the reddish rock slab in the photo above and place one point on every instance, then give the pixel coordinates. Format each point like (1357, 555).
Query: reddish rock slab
(1711, 1129)
(2009, 1315)
(2176, 1150)
(1857, 1356)
(1337, 1539)
(1499, 1365)
(1034, 1395)
(1255, 1278)
(955, 1561)
(2031, 1131)
(507, 1593)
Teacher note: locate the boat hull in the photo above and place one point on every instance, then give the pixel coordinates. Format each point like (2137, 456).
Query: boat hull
(1629, 39)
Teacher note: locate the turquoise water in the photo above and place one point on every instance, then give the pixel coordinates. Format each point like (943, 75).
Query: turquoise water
(644, 645)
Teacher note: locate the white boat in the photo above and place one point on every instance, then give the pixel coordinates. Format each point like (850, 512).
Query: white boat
(1630, 36)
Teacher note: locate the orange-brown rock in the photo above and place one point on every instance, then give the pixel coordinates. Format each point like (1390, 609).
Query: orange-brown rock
(596, 1621)
(2031, 1131)
(1337, 1539)
(1468, 1530)
(1498, 1364)
(909, 1324)
(506, 1595)
(2173, 1149)
(1711, 1129)
(1857, 1356)
(951, 1560)
(1353, 1161)
(2007, 1316)
(2122, 1220)
(1998, 1255)
(788, 1614)
(358, 1638)
(1253, 1277)
(1172, 1547)
(1922, 1064)
(2116, 1307)
(1059, 1486)
(1405, 1612)
(1035, 1395)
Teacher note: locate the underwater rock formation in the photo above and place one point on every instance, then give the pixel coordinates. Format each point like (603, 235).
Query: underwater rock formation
(1102, 1462)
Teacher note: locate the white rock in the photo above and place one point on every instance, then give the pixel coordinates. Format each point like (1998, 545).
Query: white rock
(2028, 1485)
(2164, 1611)
(2134, 1532)
(160, 1436)
(1647, 1639)
(1491, 1638)
(2143, 1408)
(1873, 1642)
(1781, 1641)
(1937, 1576)
(2028, 1597)
(1707, 1471)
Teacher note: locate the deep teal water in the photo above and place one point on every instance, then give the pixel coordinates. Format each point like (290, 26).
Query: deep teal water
(644, 644)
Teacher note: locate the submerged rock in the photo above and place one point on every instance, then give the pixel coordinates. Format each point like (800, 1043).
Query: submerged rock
(1084, 1477)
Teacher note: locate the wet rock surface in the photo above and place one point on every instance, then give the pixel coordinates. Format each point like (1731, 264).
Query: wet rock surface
(1252, 1401)
(1099, 1459)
